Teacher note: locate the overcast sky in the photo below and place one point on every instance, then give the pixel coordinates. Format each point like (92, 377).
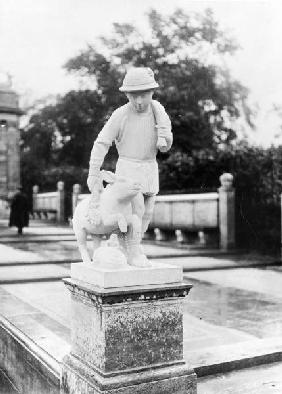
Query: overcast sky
(38, 36)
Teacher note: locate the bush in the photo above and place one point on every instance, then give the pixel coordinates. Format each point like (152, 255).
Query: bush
(257, 179)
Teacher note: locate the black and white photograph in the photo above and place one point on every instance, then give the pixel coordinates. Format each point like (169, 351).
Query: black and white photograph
(140, 197)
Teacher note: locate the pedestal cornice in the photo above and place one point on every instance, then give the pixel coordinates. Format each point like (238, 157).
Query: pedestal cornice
(126, 294)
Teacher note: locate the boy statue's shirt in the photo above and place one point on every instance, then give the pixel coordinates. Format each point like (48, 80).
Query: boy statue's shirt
(135, 136)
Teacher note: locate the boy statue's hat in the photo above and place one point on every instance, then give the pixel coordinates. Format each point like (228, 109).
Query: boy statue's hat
(138, 79)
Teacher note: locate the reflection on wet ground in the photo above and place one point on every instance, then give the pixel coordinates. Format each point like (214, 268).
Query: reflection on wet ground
(67, 249)
(251, 312)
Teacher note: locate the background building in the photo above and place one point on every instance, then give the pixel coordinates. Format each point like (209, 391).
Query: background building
(9, 140)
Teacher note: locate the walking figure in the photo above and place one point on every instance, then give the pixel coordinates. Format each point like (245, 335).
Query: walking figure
(19, 214)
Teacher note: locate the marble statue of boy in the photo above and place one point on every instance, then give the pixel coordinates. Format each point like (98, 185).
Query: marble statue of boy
(138, 128)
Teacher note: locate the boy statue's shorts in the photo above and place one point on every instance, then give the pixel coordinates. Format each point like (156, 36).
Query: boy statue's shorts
(145, 172)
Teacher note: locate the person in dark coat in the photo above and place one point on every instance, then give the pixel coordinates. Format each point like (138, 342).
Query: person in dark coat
(19, 214)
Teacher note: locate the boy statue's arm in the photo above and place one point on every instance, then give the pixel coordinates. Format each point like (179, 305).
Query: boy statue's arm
(163, 126)
(100, 148)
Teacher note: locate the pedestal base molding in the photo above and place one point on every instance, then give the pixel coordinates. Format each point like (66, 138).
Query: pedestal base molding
(77, 377)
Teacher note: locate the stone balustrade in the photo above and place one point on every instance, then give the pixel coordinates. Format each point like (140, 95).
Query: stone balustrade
(49, 205)
(206, 218)
(181, 216)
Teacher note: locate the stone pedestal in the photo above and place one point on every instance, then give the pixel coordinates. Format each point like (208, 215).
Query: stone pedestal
(128, 339)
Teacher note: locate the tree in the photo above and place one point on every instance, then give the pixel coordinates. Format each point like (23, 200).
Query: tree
(59, 137)
(199, 94)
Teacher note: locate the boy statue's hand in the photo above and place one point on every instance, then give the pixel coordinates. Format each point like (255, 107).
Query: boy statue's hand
(161, 142)
(95, 182)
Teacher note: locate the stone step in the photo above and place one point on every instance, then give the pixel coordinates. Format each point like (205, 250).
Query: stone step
(217, 359)
(264, 379)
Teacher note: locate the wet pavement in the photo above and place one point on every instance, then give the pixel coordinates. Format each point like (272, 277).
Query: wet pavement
(254, 313)
(230, 314)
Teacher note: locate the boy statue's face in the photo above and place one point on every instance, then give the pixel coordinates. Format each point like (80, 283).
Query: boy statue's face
(140, 100)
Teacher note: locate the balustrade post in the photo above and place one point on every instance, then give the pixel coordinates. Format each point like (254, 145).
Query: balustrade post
(226, 212)
(60, 202)
(76, 190)
(35, 190)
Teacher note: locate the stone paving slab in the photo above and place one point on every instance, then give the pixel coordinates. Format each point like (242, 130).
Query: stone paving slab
(32, 273)
(261, 281)
(9, 254)
(51, 299)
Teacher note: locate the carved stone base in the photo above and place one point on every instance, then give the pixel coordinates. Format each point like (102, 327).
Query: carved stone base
(127, 340)
(77, 377)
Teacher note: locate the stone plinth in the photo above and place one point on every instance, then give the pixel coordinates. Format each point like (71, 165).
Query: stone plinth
(127, 275)
(127, 340)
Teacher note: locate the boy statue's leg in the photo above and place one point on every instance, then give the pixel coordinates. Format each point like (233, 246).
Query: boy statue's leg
(136, 257)
(143, 207)
(138, 205)
(149, 203)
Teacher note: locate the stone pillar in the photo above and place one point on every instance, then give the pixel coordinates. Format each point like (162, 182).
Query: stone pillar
(127, 331)
(76, 190)
(35, 190)
(226, 212)
(60, 202)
